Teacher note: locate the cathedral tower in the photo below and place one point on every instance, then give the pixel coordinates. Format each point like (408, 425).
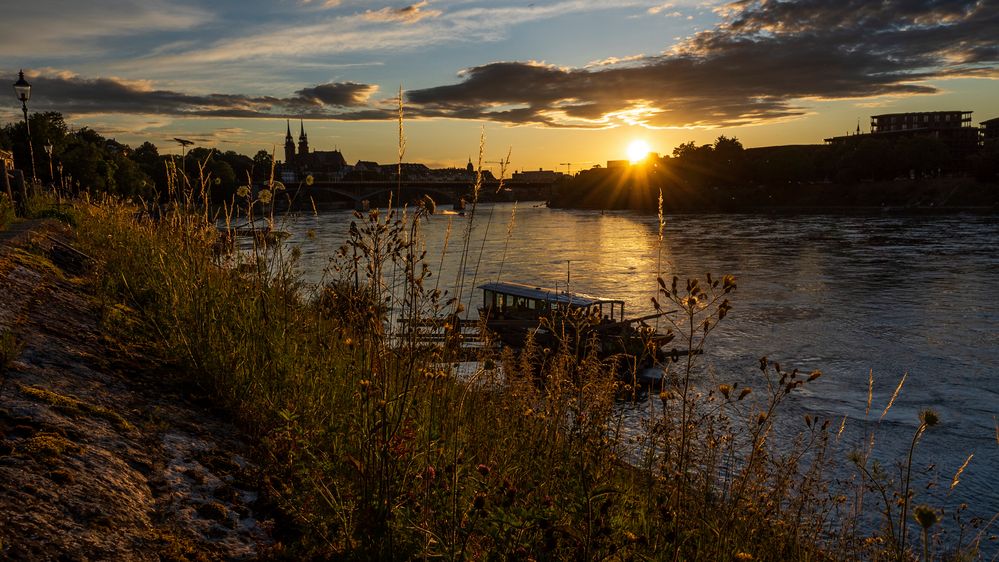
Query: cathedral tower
(289, 147)
(303, 140)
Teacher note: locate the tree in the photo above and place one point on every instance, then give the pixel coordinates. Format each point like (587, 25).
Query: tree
(729, 161)
(262, 162)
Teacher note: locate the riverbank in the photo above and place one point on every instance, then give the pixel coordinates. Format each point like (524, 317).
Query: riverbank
(639, 190)
(106, 453)
(368, 448)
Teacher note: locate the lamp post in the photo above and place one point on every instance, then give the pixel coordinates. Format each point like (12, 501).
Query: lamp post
(23, 92)
(48, 150)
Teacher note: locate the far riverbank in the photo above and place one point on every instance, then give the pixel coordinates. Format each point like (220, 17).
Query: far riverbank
(639, 190)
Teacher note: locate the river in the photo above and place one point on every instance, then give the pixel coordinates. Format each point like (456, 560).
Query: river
(843, 294)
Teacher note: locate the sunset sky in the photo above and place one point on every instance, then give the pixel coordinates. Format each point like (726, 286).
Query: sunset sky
(553, 82)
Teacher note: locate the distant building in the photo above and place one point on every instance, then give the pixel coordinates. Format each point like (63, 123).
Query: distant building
(536, 176)
(990, 130)
(953, 128)
(324, 165)
(618, 164)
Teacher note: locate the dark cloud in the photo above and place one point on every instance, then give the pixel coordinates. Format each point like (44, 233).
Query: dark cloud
(343, 94)
(757, 66)
(74, 95)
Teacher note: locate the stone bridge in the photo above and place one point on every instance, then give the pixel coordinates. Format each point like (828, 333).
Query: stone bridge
(353, 193)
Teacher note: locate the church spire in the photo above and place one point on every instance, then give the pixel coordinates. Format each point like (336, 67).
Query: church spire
(289, 146)
(303, 139)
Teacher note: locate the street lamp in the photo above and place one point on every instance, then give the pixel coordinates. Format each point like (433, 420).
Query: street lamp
(22, 90)
(48, 150)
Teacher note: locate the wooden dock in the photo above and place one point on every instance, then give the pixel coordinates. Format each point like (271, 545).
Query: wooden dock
(464, 337)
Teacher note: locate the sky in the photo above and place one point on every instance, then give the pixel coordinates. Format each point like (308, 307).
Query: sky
(564, 84)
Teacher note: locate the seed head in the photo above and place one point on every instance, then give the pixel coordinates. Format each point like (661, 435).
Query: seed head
(925, 516)
(724, 389)
(929, 418)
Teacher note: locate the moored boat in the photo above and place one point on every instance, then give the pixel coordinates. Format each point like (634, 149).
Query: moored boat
(515, 312)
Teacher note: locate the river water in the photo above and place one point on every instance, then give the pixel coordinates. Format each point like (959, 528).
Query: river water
(843, 294)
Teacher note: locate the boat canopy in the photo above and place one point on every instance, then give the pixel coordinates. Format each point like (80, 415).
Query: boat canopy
(504, 295)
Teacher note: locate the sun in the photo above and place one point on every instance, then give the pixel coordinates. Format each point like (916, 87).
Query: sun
(638, 150)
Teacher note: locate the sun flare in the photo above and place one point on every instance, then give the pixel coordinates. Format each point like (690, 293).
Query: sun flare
(638, 150)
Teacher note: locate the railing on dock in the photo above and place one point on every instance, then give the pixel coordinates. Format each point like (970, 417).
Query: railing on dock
(463, 337)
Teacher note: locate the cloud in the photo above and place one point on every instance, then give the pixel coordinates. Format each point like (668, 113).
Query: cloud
(371, 32)
(75, 96)
(344, 94)
(409, 14)
(761, 64)
(61, 27)
(764, 62)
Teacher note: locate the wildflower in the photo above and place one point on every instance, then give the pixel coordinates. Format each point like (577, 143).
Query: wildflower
(243, 191)
(218, 181)
(309, 179)
(743, 556)
(264, 196)
(724, 389)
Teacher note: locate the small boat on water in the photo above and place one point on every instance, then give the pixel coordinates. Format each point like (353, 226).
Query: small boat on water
(514, 312)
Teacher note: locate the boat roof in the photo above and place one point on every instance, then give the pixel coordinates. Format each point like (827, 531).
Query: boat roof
(545, 294)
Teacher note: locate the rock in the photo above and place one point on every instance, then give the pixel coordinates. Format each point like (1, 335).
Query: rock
(100, 458)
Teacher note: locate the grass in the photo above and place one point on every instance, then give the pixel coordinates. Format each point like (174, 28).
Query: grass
(371, 450)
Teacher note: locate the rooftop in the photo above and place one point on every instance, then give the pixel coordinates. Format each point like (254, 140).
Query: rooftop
(545, 294)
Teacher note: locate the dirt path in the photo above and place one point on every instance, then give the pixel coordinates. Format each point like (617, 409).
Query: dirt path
(102, 455)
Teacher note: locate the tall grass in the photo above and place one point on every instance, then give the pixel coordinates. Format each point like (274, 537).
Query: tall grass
(371, 449)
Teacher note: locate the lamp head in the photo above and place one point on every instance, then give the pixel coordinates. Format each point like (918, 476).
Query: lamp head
(21, 88)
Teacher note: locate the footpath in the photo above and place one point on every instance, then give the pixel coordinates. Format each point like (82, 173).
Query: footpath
(104, 455)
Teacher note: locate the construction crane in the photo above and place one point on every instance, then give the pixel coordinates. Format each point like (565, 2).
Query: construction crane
(568, 166)
(502, 163)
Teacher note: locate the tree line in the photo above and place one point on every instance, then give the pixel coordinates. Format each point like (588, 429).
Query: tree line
(724, 175)
(90, 161)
